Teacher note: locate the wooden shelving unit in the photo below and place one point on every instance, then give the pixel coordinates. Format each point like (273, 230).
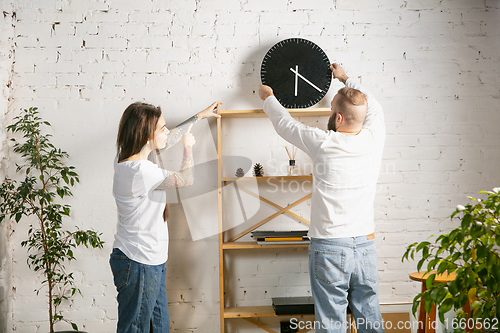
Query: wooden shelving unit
(249, 312)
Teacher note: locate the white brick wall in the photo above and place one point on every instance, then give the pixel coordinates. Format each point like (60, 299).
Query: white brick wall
(433, 65)
(6, 63)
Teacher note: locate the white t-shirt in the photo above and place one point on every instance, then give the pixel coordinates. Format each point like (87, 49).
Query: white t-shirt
(346, 168)
(141, 232)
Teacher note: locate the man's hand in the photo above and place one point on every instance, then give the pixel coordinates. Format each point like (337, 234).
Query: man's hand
(265, 92)
(338, 72)
(209, 112)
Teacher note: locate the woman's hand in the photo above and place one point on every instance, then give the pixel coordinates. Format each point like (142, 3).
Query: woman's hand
(209, 112)
(188, 138)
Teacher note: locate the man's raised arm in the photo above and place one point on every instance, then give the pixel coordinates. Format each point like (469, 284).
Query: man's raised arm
(304, 137)
(375, 115)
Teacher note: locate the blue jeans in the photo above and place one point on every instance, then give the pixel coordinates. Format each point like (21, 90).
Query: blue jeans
(142, 295)
(343, 273)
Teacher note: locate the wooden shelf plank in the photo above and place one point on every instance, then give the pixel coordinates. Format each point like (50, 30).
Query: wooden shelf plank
(249, 312)
(254, 312)
(229, 179)
(254, 245)
(259, 113)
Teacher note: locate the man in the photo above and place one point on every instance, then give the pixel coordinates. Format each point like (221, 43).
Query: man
(347, 157)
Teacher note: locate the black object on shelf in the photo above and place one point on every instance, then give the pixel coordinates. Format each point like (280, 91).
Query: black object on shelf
(286, 327)
(293, 305)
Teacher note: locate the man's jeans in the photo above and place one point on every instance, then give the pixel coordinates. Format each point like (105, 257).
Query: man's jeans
(343, 273)
(142, 296)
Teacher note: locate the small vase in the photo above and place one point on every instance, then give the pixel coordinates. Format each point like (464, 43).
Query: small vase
(292, 169)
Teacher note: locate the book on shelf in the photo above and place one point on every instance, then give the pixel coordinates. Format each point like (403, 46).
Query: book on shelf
(281, 239)
(306, 241)
(280, 234)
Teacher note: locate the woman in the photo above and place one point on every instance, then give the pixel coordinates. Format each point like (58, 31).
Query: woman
(140, 249)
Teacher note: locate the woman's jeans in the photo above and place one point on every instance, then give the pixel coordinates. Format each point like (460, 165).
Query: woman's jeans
(142, 295)
(343, 273)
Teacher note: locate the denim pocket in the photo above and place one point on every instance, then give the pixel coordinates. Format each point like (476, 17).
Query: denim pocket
(120, 266)
(328, 266)
(370, 265)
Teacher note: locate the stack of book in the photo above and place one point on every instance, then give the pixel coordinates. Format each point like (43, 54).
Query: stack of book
(280, 237)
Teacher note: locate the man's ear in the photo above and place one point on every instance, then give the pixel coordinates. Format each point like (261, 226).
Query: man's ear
(340, 118)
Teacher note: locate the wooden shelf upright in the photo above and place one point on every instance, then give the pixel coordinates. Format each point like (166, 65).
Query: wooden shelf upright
(249, 312)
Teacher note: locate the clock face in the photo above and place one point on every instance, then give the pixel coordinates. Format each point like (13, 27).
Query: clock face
(298, 71)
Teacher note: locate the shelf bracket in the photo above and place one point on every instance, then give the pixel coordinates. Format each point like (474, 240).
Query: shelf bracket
(256, 323)
(268, 329)
(269, 202)
(269, 218)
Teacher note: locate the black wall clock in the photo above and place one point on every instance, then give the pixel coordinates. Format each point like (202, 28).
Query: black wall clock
(298, 71)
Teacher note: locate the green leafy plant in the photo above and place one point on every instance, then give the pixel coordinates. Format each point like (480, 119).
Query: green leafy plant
(472, 252)
(46, 179)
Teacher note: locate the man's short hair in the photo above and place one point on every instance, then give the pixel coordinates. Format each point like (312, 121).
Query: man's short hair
(347, 104)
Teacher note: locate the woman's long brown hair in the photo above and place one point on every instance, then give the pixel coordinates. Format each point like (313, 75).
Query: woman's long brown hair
(137, 126)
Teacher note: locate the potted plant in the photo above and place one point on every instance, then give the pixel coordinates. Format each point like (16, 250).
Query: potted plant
(46, 180)
(472, 252)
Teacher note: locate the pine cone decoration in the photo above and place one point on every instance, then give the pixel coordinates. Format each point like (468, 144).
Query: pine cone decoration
(240, 172)
(258, 170)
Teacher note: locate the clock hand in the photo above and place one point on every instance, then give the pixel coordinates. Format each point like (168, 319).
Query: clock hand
(296, 78)
(303, 78)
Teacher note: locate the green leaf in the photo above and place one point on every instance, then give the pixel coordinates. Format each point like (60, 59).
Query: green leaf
(482, 252)
(428, 304)
(430, 280)
(414, 308)
(443, 266)
(445, 242)
(422, 245)
(476, 231)
(453, 288)
(432, 264)
(446, 305)
(466, 220)
(420, 264)
(454, 234)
